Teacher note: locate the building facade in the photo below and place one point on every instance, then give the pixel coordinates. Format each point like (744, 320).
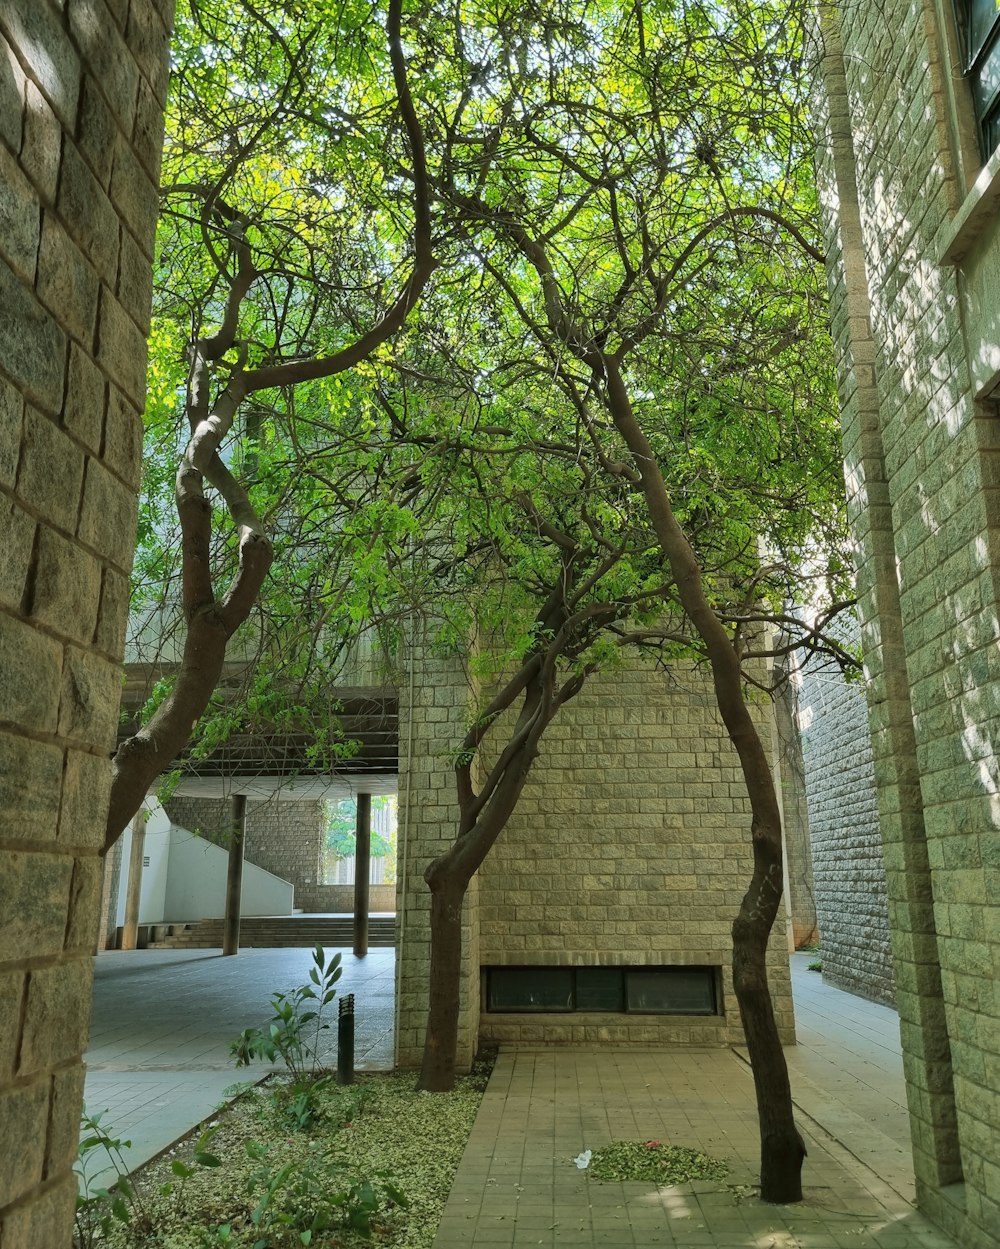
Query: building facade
(909, 190)
(604, 911)
(847, 868)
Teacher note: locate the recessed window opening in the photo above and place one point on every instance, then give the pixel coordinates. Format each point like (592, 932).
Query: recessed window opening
(979, 27)
(614, 990)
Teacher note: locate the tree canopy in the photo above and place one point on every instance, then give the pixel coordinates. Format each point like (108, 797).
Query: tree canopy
(503, 323)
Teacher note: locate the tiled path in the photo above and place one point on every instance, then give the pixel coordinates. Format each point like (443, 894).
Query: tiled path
(162, 1023)
(162, 1020)
(518, 1186)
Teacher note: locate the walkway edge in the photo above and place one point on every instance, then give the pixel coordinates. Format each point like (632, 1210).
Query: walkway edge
(858, 1138)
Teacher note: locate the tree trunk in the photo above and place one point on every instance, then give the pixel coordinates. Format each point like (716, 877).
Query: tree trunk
(781, 1147)
(437, 1072)
(141, 758)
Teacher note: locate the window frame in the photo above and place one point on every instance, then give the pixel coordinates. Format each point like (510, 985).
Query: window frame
(980, 49)
(628, 975)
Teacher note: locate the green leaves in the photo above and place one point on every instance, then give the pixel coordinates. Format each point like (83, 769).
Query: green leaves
(655, 1163)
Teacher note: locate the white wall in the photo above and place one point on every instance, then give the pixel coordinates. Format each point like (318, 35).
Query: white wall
(196, 883)
(185, 878)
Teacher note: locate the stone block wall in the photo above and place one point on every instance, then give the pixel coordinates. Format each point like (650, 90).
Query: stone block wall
(790, 781)
(630, 845)
(848, 868)
(339, 899)
(435, 696)
(82, 85)
(283, 836)
(917, 356)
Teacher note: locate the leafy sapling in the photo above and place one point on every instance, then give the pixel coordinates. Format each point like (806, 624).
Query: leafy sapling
(293, 1037)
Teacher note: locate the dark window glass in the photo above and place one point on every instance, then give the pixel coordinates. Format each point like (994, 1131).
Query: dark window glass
(530, 988)
(979, 21)
(600, 988)
(609, 990)
(671, 991)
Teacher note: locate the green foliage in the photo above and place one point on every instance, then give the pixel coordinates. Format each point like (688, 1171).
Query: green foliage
(655, 1163)
(627, 142)
(341, 834)
(100, 1208)
(314, 1196)
(293, 1038)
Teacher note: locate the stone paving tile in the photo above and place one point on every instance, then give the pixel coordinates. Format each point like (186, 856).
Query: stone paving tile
(518, 1187)
(162, 1020)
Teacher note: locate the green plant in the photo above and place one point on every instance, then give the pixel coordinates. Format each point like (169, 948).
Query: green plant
(311, 1197)
(816, 966)
(183, 1171)
(293, 1034)
(98, 1206)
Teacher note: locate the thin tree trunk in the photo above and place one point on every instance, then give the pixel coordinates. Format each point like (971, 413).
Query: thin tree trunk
(782, 1150)
(437, 1072)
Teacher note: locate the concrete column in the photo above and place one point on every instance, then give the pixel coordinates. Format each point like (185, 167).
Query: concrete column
(362, 873)
(133, 888)
(234, 877)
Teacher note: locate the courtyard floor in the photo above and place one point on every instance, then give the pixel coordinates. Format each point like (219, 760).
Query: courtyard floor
(159, 1061)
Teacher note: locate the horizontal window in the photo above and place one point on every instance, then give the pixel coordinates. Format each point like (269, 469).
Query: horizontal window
(614, 990)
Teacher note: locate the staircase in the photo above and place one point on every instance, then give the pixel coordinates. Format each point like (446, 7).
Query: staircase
(329, 931)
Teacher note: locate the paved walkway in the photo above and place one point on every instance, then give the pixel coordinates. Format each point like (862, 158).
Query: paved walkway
(518, 1186)
(162, 1020)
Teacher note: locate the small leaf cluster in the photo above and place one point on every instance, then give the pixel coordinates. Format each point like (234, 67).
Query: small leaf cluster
(655, 1163)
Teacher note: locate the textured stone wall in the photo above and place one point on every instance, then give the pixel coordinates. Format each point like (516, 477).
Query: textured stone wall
(434, 700)
(82, 84)
(283, 837)
(790, 779)
(848, 868)
(922, 465)
(631, 845)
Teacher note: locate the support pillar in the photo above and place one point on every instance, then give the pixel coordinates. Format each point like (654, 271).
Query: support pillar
(133, 888)
(362, 872)
(234, 877)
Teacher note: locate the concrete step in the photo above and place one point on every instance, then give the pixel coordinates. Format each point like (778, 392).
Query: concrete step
(286, 931)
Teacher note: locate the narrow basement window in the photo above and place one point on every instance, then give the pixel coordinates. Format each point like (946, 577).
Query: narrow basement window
(608, 990)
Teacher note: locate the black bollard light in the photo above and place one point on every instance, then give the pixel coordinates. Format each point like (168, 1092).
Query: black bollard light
(345, 1040)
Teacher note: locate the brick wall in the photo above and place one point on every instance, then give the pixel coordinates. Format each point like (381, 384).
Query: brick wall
(631, 845)
(282, 836)
(848, 867)
(434, 701)
(921, 465)
(790, 779)
(81, 91)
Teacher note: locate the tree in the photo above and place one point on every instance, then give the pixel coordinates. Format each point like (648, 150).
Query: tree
(636, 184)
(259, 262)
(574, 592)
(626, 203)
